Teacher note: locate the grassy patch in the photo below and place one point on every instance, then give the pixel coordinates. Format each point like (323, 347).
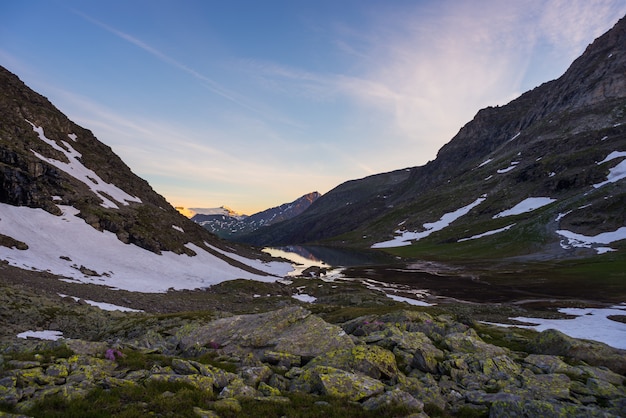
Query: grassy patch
(179, 399)
(514, 339)
(153, 398)
(46, 355)
(211, 359)
(135, 360)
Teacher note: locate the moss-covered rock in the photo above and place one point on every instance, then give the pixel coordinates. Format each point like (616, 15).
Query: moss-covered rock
(426, 358)
(340, 383)
(394, 398)
(292, 330)
(239, 389)
(542, 363)
(372, 361)
(470, 342)
(231, 405)
(547, 386)
(594, 353)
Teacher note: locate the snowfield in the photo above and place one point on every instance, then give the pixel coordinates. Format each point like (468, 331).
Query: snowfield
(406, 237)
(526, 205)
(589, 323)
(485, 234)
(41, 335)
(77, 170)
(615, 173)
(62, 244)
(573, 239)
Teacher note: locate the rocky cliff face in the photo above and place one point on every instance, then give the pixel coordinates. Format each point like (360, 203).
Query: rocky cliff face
(562, 140)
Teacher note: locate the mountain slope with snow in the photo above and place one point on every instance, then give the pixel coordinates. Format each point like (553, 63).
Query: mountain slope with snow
(70, 206)
(517, 180)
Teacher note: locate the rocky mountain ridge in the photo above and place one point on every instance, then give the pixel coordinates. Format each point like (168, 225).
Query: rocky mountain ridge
(231, 225)
(561, 140)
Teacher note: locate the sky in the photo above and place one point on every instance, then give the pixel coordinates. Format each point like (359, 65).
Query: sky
(251, 104)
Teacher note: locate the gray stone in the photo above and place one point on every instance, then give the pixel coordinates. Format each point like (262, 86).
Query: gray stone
(394, 397)
(470, 342)
(427, 357)
(372, 361)
(338, 383)
(591, 352)
(292, 330)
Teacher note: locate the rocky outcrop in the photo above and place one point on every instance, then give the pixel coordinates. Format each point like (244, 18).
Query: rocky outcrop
(290, 332)
(412, 361)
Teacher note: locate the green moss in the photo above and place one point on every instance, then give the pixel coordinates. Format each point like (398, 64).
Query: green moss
(46, 355)
(129, 401)
(514, 339)
(210, 359)
(135, 360)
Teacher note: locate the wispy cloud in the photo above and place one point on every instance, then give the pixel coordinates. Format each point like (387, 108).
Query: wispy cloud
(207, 82)
(184, 165)
(571, 25)
(423, 78)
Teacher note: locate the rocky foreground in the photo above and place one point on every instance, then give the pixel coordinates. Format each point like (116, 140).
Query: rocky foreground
(291, 362)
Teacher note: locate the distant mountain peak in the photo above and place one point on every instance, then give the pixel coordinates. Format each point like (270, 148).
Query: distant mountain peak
(227, 224)
(222, 210)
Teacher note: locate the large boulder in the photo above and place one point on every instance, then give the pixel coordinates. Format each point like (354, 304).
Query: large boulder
(292, 330)
(338, 383)
(591, 352)
(372, 361)
(397, 398)
(470, 342)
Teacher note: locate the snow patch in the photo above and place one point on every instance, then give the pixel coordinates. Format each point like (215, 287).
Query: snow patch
(484, 234)
(103, 305)
(574, 240)
(407, 300)
(612, 156)
(509, 168)
(178, 228)
(615, 173)
(526, 205)
(487, 161)
(73, 137)
(590, 324)
(121, 266)
(41, 335)
(515, 136)
(303, 297)
(77, 170)
(406, 237)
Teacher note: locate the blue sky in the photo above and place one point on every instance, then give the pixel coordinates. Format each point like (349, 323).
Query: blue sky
(251, 104)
